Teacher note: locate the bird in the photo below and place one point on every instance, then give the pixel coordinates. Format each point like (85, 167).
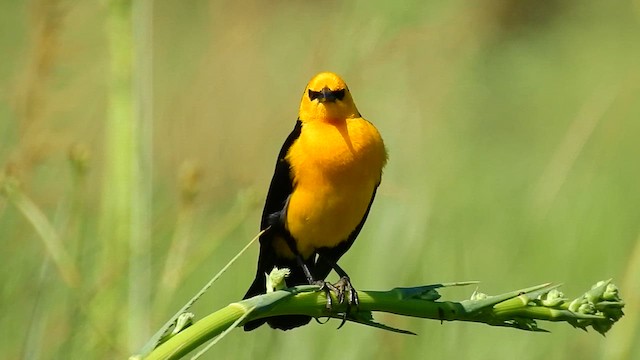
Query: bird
(325, 181)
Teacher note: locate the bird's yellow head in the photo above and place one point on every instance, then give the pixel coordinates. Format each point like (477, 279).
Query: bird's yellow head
(327, 98)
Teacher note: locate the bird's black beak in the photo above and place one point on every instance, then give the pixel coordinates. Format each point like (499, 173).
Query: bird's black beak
(326, 95)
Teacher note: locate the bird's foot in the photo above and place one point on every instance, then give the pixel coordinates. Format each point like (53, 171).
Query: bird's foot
(343, 289)
(344, 286)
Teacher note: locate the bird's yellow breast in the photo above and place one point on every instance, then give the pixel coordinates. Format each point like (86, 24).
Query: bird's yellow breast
(335, 169)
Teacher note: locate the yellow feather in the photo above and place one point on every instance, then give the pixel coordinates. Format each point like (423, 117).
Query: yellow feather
(336, 164)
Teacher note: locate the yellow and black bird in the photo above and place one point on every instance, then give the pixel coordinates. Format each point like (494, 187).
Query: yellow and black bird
(324, 183)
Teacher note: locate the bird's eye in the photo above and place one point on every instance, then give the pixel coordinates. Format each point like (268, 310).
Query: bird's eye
(326, 95)
(314, 94)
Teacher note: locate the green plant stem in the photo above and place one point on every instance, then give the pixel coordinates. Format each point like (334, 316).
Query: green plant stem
(126, 195)
(194, 336)
(517, 309)
(54, 246)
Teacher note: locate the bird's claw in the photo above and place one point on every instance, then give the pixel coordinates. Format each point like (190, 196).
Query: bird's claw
(344, 286)
(327, 288)
(340, 288)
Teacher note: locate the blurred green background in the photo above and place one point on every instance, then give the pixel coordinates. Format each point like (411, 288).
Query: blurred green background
(513, 134)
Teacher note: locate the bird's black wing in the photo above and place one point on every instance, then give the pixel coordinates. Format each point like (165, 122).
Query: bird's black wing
(281, 183)
(279, 190)
(273, 216)
(328, 257)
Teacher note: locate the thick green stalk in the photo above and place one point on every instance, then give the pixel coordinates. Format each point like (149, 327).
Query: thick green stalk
(121, 127)
(140, 244)
(518, 309)
(196, 335)
(126, 188)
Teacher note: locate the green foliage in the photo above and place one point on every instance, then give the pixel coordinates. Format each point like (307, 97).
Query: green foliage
(513, 137)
